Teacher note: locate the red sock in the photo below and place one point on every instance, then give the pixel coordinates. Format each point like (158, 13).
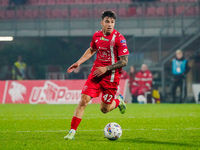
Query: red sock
(75, 122)
(117, 102)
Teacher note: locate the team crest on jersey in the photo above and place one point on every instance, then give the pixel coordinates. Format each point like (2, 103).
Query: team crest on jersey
(104, 39)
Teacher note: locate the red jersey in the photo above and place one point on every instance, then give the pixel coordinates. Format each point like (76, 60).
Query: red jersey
(124, 75)
(143, 79)
(109, 49)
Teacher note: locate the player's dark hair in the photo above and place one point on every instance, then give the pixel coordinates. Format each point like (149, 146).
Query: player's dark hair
(108, 13)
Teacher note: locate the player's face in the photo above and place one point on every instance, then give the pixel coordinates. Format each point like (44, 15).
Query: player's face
(108, 25)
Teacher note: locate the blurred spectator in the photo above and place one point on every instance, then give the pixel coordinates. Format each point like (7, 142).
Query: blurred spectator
(76, 74)
(13, 3)
(142, 82)
(179, 70)
(132, 73)
(124, 75)
(197, 66)
(19, 69)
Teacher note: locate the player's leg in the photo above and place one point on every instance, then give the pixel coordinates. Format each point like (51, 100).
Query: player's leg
(107, 107)
(85, 99)
(109, 102)
(91, 89)
(78, 114)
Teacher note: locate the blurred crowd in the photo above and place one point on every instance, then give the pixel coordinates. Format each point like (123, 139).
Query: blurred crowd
(141, 84)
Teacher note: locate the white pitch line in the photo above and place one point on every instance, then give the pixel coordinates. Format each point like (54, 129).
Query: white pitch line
(40, 117)
(53, 131)
(58, 131)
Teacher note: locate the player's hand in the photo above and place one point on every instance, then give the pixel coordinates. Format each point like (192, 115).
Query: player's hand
(72, 67)
(99, 71)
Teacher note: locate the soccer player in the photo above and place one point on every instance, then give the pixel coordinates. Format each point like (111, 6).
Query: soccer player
(112, 55)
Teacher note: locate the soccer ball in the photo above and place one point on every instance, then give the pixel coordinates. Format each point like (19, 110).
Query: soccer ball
(112, 131)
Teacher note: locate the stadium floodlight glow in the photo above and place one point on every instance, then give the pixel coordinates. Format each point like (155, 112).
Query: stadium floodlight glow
(6, 38)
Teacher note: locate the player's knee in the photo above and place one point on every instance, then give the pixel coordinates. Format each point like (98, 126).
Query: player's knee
(84, 101)
(104, 110)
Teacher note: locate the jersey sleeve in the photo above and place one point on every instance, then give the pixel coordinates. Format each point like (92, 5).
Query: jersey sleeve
(92, 44)
(122, 46)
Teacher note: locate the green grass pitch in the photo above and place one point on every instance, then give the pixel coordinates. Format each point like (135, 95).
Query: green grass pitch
(158, 126)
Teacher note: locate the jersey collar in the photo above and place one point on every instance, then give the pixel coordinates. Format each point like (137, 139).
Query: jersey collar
(108, 35)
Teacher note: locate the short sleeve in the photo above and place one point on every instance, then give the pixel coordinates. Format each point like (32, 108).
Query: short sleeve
(122, 46)
(92, 44)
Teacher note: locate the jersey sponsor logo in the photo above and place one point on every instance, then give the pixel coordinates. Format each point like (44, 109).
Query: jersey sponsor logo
(103, 48)
(104, 55)
(123, 41)
(104, 39)
(125, 50)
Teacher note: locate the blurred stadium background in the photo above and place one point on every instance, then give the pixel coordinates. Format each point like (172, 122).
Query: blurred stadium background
(52, 34)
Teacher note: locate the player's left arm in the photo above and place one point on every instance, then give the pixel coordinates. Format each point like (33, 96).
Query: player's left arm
(121, 63)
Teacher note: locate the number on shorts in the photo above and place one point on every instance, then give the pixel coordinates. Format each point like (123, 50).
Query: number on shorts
(107, 97)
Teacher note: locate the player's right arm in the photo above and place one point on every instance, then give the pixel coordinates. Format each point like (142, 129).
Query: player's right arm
(88, 53)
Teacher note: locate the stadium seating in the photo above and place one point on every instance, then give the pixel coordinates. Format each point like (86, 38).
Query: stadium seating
(4, 2)
(52, 2)
(10, 14)
(132, 11)
(29, 14)
(122, 12)
(161, 11)
(32, 2)
(64, 9)
(2, 14)
(60, 2)
(88, 1)
(151, 11)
